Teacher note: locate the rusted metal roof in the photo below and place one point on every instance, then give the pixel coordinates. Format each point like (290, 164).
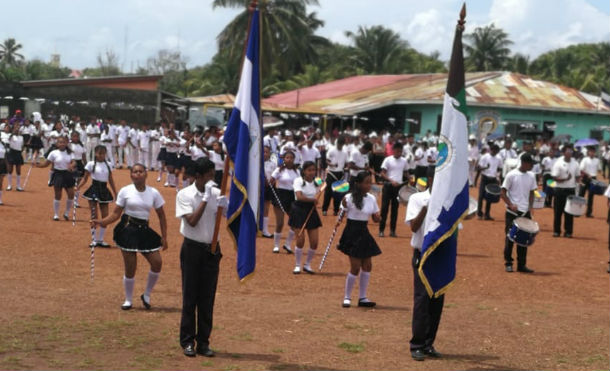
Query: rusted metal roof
(489, 89)
(227, 101)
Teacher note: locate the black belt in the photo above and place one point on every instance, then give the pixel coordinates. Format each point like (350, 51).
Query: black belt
(137, 222)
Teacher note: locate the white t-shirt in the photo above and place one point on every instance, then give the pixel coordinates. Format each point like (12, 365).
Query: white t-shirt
(369, 207)
(144, 139)
(518, 186)
(219, 163)
(395, 167)
(61, 159)
(607, 193)
(271, 142)
(77, 151)
(92, 130)
(15, 142)
(494, 163)
(360, 160)
(309, 154)
(284, 178)
(269, 167)
(133, 136)
(309, 189)
(138, 204)
(473, 153)
(417, 201)
(106, 139)
(187, 201)
(590, 165)
(561, 169)
(101, 173)
(123, 133)
(196, 153)
(431, 155)
(420, 157)
(505, 154)
(547, 164)
(2, 151)
(336, 159)
(172, 145)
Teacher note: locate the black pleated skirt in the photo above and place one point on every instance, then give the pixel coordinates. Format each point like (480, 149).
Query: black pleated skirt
(298, 216)
(134, 235)
(98, 192)
(357, 242)
(286, 198)
(62, 179)
(79, 171)
(14, 157)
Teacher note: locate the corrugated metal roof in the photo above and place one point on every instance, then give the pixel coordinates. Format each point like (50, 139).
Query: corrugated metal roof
(227, 101)
(490, 89)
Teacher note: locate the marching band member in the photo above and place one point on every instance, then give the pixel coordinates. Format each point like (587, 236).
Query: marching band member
(133, 234)
(336, 159)
(518, 194)
(356, 241)
(588, 169)
(93, 137)
(393, 169)
(566, 173)
(489, 164)
(359, 161)
(305, 192)
(269, 167)
(14, 156)
(196, 206)
(282, 179)
(473, 158)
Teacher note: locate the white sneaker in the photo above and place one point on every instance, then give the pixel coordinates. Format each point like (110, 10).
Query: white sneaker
(9, 188)
(166, 184)
(346, 303)
(158, 179)
(276, 249)
(296, 270)
(19, 189)
(1, 203)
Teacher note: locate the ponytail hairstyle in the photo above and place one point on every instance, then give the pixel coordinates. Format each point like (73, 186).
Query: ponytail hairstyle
(98, 148)
(306, 166)
(357, 194)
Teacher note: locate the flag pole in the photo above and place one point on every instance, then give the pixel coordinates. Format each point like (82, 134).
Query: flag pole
(225, 173)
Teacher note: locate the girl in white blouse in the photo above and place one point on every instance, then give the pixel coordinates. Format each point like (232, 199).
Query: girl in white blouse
(133, 234)
(304, 214)
(356, 241)
(282, 179)
(62, 177)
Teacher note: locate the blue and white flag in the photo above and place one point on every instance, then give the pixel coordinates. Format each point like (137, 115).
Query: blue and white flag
(244, 140)
(449, 198)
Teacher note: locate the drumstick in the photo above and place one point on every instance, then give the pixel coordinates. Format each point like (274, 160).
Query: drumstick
(332, 237)
(74, 208)
(92, 241)
(25, 184)
(277, 198)
(312, 209)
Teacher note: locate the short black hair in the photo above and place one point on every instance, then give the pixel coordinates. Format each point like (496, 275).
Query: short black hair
(397, 145)
(367, 146)
(526, 157)
(203, 166)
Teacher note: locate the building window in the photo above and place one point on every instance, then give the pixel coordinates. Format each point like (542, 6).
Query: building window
(596, 134)
(414, 122)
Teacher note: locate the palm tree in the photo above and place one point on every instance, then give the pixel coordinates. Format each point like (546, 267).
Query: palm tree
(8, 52)
(487, 49)
(376, 48)
(288, 40)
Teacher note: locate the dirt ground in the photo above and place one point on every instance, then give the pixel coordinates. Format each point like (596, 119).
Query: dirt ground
(52, 316)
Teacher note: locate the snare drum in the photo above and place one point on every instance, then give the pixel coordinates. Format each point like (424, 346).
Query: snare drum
(549, 186)
(523, 231)
(492, 193)
(575, 205)
(405, 192)
(539, 198)
(597, 188)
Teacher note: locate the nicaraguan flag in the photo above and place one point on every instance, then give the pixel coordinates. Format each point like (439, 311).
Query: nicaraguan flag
(449, 198)
(243, 138)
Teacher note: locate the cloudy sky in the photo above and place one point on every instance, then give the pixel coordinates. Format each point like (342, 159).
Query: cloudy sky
(136, 29)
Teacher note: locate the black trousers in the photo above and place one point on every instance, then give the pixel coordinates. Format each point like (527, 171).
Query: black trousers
(485, 180)
(548, 201)
(561, 196)
(199, 279)
(389, 195)
(332, 176)
(426, 311)
(585, 189)
(605, 165)
(508, 244)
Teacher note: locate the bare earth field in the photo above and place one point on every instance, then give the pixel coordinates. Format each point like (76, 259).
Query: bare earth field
(52, 316)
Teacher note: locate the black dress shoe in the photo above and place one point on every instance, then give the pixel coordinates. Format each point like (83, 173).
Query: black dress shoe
(366, 303)
(555, 234)
(508, 268)
(189, 350)
(126, 306)
(567, 235)
(489, 218)
(392, 234)
(431, 352)
(268, 235)
(206, 352)
(525, 270)
(144, 302)
(308, 270)
(418, 354)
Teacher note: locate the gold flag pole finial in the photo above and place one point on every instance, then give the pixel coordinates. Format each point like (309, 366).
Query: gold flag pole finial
(462, 20)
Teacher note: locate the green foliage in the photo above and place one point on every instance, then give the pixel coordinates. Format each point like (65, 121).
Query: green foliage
(487, 49)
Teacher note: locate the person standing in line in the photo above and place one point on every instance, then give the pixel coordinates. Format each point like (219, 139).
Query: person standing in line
(489, 164)
(336, 160)
(426, 310)
(122, 138)
(269, 167)
(132, 143)
(196, 206)
(155, 148)
(217, 156)
(106, 141)
(473, 158)
(282, 179)
(359, 161)
(93, 138)
(133, 234)
(607, 194)
(3, 167)
(566, 173)
(588, 169)
(15, 157)
(518, 194)
(144, 146)
(393, 170)
(356, 241)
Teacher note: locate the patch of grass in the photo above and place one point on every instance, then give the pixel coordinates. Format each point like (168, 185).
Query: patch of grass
(562, 360)
(146, 361)
(595, 358)
(352, 347)
(207, 364)
(54, 363)
(244, 336)
(352, 326)
(277, 350)
(483, 307)
(235, 355)
(450, 305)
(12, 363)
(231, 368)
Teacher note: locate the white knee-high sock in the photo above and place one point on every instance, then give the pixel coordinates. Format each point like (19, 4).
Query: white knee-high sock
(277, 237)
(364, 283)
(128, 283)
(350, 280)
(150, 283)
(310, 255)
(289, 238)
(18, 180)
(298, 254)
(56, 207)
(266, 225)
(100, 234)
(9, 179)
(69, 204)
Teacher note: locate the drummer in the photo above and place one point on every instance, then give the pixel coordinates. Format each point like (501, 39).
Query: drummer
(489, 164)
(566, 173)
(518, 194)
(393, 169)
(588, 170)
(607, 194)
